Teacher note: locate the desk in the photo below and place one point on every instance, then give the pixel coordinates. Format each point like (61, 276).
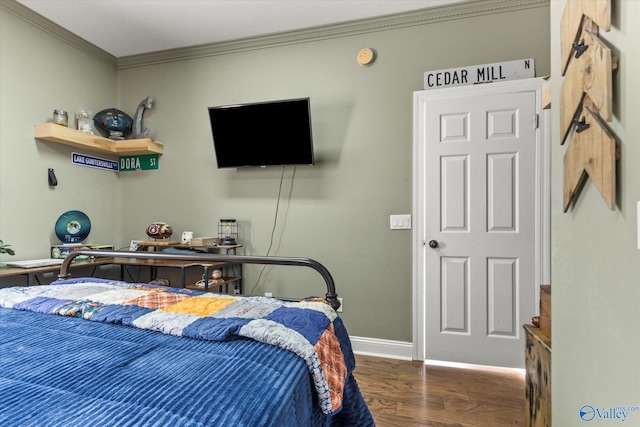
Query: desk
(230, 273)
(6, 271)
(154, 264)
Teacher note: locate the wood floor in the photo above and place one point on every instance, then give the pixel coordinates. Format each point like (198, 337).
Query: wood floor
(405, 393)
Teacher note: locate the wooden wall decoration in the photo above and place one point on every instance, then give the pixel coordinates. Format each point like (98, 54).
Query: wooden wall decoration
(589, 76)
(598, 11)
(586, 100)
(591, 153)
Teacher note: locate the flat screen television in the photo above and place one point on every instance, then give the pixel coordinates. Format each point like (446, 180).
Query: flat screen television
(274, 133)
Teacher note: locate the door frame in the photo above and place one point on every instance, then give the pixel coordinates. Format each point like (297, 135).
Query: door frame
(542, 195)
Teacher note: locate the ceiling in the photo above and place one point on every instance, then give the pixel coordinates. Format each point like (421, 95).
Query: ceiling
(131, 27)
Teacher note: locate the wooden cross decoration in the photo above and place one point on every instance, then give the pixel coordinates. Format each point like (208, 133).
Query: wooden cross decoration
(586, 99)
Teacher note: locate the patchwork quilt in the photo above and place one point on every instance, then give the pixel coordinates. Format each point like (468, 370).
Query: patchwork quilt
(311, 328)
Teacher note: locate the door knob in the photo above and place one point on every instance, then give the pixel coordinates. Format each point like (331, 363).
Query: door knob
(433, 244)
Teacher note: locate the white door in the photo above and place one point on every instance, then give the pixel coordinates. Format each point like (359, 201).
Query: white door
(477, 149)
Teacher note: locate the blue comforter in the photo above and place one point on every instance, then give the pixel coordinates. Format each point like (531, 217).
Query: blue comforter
(61, 370)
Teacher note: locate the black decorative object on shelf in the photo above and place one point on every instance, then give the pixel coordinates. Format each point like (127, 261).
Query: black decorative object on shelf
(114, 122)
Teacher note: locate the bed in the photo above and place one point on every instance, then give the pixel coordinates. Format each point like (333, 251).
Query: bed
(110, 353)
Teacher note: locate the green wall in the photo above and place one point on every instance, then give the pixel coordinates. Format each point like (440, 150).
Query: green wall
(41, 71)
(336, 212)
(595, 256)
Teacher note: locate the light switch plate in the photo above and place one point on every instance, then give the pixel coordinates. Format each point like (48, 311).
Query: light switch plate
(400, 222)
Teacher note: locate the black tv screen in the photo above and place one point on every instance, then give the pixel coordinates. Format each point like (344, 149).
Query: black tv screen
(263, 134)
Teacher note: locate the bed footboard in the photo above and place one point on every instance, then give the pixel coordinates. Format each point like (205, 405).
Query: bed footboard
(331, 295)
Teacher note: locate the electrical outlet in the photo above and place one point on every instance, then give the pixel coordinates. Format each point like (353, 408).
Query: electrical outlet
(268, 294)
(340, 309)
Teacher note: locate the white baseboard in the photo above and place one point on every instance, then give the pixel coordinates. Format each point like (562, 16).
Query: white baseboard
(382, 348)
(401, 350)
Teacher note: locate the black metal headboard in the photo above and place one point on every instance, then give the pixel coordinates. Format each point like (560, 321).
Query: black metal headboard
(331, 295)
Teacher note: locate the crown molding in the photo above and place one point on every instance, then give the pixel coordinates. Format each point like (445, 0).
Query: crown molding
(57, 31)
(462, 10)
(422, 17)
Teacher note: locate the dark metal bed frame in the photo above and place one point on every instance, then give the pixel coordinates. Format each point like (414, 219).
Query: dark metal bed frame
(331, 296)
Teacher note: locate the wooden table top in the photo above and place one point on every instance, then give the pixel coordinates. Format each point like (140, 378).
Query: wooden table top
(6, 271)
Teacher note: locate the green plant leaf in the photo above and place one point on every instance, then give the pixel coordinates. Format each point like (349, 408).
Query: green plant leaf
(4, 249)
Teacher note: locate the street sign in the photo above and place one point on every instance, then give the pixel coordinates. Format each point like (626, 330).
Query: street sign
(141, 162)
(94, 162)
(476, 74)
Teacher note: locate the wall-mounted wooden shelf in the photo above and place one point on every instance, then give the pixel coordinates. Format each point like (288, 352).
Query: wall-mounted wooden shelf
(86, 141)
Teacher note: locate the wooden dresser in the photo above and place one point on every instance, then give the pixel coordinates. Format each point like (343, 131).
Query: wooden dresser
(538, 365)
